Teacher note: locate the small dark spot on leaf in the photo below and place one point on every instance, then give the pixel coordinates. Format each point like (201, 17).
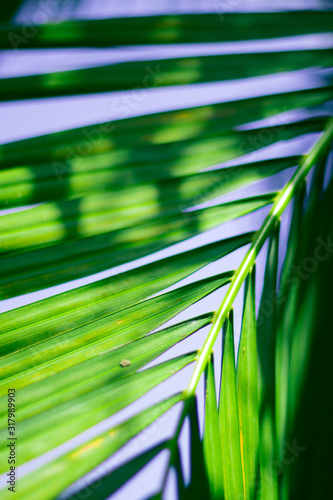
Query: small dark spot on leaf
(125, 362)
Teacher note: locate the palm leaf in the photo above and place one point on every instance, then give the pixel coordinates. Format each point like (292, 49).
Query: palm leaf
(233, 476)
(157, 73)
(110, 193)
(247, 387)
(266, 346)
(170, 29)
(212, 436)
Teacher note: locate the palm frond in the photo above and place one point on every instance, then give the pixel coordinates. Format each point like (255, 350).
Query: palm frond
(111, 193)
(193, 28)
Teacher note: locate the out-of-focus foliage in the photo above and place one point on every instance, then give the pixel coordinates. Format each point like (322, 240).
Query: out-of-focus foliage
(129, 188)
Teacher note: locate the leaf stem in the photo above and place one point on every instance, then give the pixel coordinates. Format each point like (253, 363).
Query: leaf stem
(281, 201)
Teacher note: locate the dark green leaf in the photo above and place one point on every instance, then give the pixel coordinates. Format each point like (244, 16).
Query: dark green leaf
(160, 73)
(233, 474)
(189, 28)
(247, 392)
(266, 345)
(212, 437)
